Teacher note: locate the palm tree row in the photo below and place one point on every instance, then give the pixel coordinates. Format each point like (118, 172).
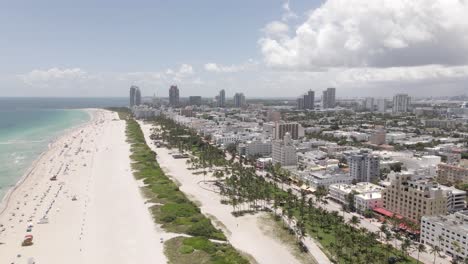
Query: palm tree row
(247, 192)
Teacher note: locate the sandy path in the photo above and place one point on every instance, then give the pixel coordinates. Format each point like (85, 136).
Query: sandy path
(108, 223)
(244, 233)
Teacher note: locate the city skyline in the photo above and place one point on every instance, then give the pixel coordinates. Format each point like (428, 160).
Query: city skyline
(263, 54)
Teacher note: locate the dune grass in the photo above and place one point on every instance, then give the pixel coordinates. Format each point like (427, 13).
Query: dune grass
(184, 250)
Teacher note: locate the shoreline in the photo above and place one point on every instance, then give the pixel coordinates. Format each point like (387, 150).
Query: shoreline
(5, 200)
(80, 203)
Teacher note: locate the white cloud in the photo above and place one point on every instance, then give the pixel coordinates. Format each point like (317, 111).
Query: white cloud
(276, 30)
(402, 74)
(53, 75)
(288, 13)
(218, 68)
(377, 33)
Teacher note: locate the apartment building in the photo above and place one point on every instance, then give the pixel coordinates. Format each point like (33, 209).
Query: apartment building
(255, 148)
(450, 233)
(452, 173)
(364, 167)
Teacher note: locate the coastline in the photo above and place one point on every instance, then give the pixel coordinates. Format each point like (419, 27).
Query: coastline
(4, 201)
(80, 203)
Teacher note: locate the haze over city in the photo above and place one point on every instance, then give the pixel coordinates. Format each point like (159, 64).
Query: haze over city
(262, 48)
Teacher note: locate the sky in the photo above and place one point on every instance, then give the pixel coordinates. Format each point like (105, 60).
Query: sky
(263, 48)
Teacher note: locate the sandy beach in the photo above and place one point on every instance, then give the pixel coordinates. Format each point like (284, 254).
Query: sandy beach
(244, 233)
(92, 213)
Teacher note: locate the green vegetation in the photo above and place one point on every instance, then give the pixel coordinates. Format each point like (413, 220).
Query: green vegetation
(240, 187)
(183, 250)
(172, 208)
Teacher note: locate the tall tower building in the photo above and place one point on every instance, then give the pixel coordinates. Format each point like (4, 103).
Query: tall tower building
(222, 98)
(328, 98)
(306, 101)
(138, 96)
(401, 103)
(239, 100)
(132, 95)
(135, 96)
(309, 99)
(381, 105)
(174, 95)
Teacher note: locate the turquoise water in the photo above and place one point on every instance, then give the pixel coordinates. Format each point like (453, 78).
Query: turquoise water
(25, 133)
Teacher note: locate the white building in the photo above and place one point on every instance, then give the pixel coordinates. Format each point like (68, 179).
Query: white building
(143, 111)
(369, 103)
(450, 233)
(283, 151)
(255, 148)
(401, 103)
(367, 195)
(326, 178)
(381, 106)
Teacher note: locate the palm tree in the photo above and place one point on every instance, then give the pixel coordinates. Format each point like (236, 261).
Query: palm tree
(421, 248)
(436, 251)
(354, 221)
(406, 246)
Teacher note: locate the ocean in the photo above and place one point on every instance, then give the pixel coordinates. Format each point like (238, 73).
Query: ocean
(28, 125)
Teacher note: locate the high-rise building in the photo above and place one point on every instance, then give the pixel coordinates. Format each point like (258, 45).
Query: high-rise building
(281, 128)
(309, 99)
(138, 97)
(306, 101)
(364, 167)
(174, 95)
(328, 98)
(369, 104)
(401, 103)
(300, 103)
(239, 100)
(381, 105)
(284, 152)
(195, 100)
(222, 98)
(135, 96)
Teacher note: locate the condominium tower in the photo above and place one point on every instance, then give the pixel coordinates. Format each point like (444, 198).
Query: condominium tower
(222, 98)
(306, 101)
(174, 95)
(135, 96)
(328, 98)
(239, 100)
(401, 103)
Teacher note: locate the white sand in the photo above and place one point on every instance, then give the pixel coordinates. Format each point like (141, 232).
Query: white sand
(244, 233)
(108, 223)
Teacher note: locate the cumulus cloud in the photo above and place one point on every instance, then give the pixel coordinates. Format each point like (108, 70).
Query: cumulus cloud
(402, 74)
(377, 33)
(288, 13)
(218, 68)
(41, 77)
